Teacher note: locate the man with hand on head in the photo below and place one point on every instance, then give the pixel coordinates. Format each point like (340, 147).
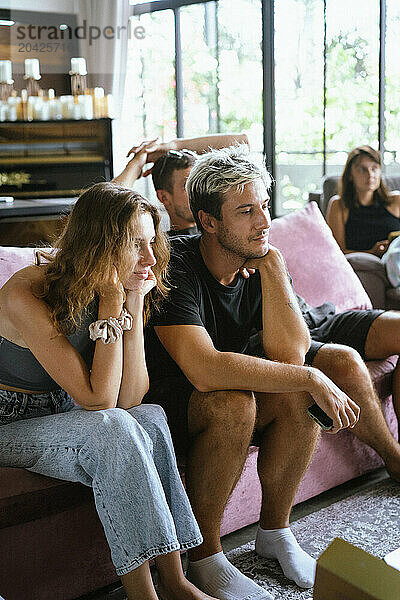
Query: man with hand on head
(169, 174)
(223, 397)
(172, 164)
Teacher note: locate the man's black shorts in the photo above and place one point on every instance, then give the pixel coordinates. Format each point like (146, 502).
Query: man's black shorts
(173, 393)
(349, 328)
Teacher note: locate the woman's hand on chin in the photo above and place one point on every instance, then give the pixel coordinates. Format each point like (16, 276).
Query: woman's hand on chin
(140, 282)
(113, 288)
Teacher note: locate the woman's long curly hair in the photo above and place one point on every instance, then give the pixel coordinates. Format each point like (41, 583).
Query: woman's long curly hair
(347, 190)
(99, 235)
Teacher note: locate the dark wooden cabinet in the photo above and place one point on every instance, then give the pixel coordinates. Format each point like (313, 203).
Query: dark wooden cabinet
(45, 159)
(48, 160)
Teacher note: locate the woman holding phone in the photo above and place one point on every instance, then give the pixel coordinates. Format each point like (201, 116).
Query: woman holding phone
(364, 213)
(73, 374)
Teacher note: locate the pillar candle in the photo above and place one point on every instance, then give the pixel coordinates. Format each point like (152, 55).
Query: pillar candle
(86, 104)
(78, 66)
(32, 68)
(5, 71)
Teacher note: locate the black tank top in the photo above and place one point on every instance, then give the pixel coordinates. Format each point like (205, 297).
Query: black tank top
(367, 225)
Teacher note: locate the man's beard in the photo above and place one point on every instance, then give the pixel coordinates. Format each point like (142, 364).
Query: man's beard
(237, 247)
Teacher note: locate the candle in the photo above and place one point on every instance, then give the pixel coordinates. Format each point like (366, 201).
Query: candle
(67, 106)
(76, 111)
(12, 113)
(44, 113)
(5, 71)
(86, 104)
(35, 107)
(13, 100)
(3, 111)
(78, 66)
(110, 109)
(55, 108)
(32, 68)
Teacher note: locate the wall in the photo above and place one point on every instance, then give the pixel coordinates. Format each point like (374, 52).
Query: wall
(19, 42)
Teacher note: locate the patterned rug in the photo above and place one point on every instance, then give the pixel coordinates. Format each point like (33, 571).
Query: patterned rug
(369, 519)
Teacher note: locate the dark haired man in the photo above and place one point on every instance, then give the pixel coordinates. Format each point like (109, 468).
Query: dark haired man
(169, 174)
(172, 164)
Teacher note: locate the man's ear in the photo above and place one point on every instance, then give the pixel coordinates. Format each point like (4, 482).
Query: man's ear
(164, 198)
(207, 221)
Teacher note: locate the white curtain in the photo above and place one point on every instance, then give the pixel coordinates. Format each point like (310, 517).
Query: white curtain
(104, 44)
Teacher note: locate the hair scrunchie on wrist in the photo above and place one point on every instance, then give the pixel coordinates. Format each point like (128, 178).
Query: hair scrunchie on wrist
(111, 330)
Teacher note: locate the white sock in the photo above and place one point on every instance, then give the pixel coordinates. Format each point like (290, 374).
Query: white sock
(282, 545)
(217, 577)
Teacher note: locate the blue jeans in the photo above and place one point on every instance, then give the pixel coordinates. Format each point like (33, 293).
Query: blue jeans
(126, 456)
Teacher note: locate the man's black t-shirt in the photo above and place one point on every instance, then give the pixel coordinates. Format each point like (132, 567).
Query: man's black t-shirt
(229, 313)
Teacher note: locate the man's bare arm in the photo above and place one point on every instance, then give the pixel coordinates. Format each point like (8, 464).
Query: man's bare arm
(203, 144)
(285, 336)
(208, 370)
(197, 144)
(134, 168)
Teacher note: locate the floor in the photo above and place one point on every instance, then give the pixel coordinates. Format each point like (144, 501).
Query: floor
(233, 540)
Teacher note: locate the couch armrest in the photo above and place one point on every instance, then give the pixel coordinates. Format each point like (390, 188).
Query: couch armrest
(393, 299)
(315, 197)
(372, 274)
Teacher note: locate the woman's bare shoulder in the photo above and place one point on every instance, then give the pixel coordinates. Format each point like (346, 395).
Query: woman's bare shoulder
(394, 196)
(336, 205)
(17, 301)
(394, 203)
(24, 278)
(19, 286)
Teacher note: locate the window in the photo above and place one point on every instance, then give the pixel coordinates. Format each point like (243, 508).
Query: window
(200, 71)
(149, 102)
(352, 83)
(392, 89)
(240, 69)
(299, 67)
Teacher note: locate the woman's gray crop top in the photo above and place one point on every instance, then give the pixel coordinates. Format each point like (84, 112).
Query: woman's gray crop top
(20, 369)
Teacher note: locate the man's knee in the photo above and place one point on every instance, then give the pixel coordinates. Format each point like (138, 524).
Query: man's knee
(347, 366)
(227, 410)
(292, 410)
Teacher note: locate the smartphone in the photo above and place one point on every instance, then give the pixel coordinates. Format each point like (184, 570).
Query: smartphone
(320, 417)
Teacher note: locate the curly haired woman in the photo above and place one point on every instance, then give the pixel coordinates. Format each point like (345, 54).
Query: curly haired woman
(73, 374)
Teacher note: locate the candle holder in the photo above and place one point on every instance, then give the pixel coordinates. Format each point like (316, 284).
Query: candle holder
(78, 84)
(32, 86)
(6, 89)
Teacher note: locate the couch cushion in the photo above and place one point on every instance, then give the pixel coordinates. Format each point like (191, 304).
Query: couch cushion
(381, 372)
(13, 259)
(320, 270)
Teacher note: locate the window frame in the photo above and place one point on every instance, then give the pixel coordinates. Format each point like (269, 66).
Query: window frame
(268, 65)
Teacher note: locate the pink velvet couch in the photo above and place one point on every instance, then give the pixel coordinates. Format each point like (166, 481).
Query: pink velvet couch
(53, 546)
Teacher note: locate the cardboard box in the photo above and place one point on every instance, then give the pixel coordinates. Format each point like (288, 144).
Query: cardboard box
(393, 559)
(345, 572)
